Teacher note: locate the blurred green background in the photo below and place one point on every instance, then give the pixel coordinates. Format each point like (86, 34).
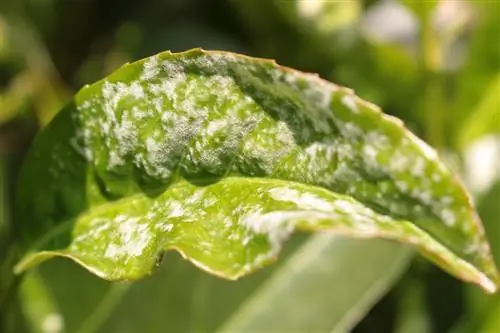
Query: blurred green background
(434, 64)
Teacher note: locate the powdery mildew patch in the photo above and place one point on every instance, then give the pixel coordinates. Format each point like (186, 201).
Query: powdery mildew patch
(304, 201)
(224, 115)
(208, 121)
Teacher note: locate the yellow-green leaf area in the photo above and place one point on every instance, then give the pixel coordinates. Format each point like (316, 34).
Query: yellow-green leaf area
(221, 156)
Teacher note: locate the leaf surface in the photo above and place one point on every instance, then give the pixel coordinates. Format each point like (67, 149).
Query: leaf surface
(485, 118)
(317, 276)
(302, 291)
(221, 157)
(38, 305)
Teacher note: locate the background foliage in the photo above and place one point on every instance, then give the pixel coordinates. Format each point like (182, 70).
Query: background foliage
(434, 64)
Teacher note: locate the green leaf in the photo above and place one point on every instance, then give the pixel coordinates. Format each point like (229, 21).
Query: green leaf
(412, 315)
(299, 292)
(179, 294)
(221, 157)
(485, 118)
(492, 322)
(189, 300)
(481, 66)
(478, 304)
(94, 295)
(38, 305)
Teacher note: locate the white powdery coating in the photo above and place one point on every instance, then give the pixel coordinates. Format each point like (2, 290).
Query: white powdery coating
(168, 86)
(319, 157)
(477, 246)
(361, 217)
(176, 209)
(315, 95)
(378, 140)
(399, 162)
(277, 226)
(114, 160)
(188, 118)
(284, 134)
(136, 90)
(350, 130)
(125, 135)
(156, 158)
(448, 217)
(425, 196)
(426, 150)
(82, 149)
(53, 323)
(370, 155)
(216, 125)
(198, 197)
(274, 225)
(302, 200)
(326, 149)
(172, 68)
(347, 207)
(267, 144)
(350, 102)
(120, 134)
(320, 93)
(376, 143)
(165, 227)
(418, 167)
(151, 68)
(402, 186)
(132, 238)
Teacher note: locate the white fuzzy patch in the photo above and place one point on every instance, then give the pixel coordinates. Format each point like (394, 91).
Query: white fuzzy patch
(448, 217)
(305, 201)
(132, 238)
(278, 226)
(176, 209)
(350, 102)
(427, 150)
(151, 68)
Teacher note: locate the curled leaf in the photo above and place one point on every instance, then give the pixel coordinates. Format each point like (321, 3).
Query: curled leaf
(220, 157)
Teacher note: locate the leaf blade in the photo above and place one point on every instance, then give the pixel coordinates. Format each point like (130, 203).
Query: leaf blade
(282, 207)
(196, 119)
(38, 305)
(293, 292)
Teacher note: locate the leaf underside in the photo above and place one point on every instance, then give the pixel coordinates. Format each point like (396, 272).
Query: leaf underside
(221, 157)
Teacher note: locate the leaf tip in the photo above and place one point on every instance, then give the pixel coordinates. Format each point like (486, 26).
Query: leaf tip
(488, 285)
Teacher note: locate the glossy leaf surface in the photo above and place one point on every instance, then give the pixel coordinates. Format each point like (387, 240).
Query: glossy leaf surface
(294, 292)
(190, 300)
(222, 157)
